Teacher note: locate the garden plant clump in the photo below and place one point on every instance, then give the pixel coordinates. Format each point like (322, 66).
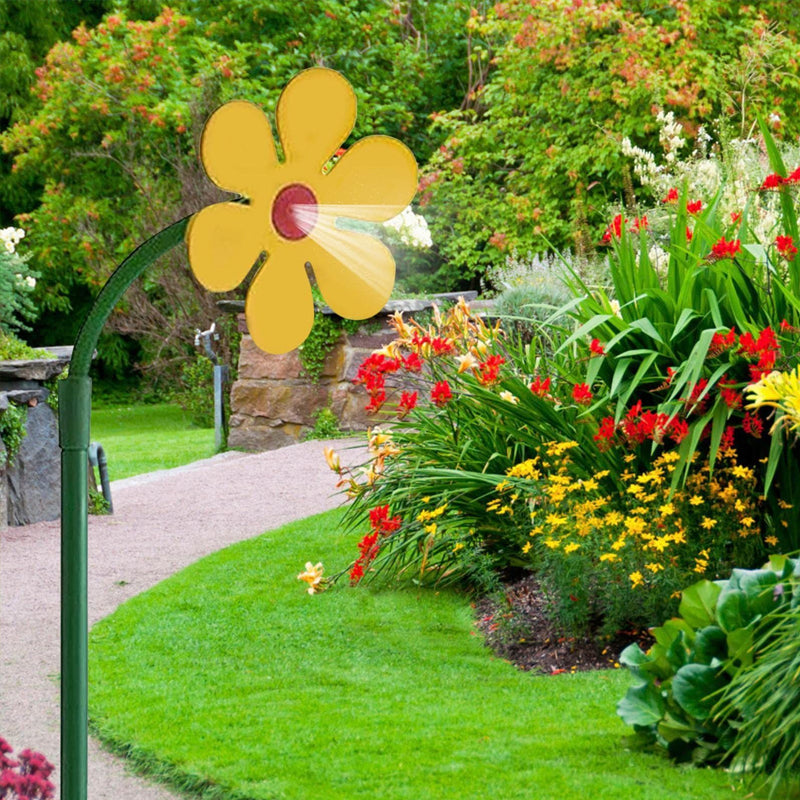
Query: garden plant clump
(632, 456)
(25, 777)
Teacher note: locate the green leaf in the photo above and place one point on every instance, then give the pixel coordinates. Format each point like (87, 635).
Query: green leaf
(740, 646)
(710, 643)
(642, 705)
(698, 603)
(733, 611)
(692, 687)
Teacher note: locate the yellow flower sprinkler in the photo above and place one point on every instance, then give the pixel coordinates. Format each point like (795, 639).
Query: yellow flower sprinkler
(285, 220)
(292, 207)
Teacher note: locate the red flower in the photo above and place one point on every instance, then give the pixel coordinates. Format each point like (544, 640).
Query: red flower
(773, 181)
(727, 437)
(785, 246)
(408, 400)
(614, 230)
(442, 346)
(381, 523)
(678, 430)
(695, 207)
(375, 402)
(581, 393)
(787, 327)
(720, 343)
(736, 216)
(605, 433)
(596, 348)
(725, 249)
(688, 234)
(794, 177)
(357, 573)
(540, 387)
(412, 363)
(672, 196)
(489, 370)
(640, 223)
(752, 425)
(441, 394)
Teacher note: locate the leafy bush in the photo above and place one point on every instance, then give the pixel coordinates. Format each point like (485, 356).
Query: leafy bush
(12, 429)
(16, 284)
(326, 425)
(717, 638)
(612, 558)
(766, 698)
(197, 396)
(25, 777)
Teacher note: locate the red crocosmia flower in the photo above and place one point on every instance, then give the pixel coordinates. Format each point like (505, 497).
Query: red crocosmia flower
(375, 403)
(688, 234)
(752, 425)
(596, 348)
(672, 196)
(489, 370)
(418, 341)
(787, 327)
(356, 573)
(368, 546)
(605, 433)
(695, 207)
(773, 181)
(408, 400)
(720, 343)
(794, 177)
(380, 521)
(725, 249)
(581, 393)
(614, 230)
(736, 216)
(785, 246)
(441, 394)
(412, 362)
(678, 430)
(729, 395)
(640, 223)
(727, 437)
(540, 387)
(441, 346)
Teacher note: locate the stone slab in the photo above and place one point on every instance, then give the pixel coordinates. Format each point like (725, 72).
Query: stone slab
(37, 369)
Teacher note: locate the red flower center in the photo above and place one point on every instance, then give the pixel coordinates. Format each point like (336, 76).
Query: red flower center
(294, 212)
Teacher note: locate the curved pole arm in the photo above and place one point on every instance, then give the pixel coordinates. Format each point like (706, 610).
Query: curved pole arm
(75, 406)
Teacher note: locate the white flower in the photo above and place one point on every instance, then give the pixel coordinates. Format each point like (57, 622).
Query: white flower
(30, 282)
(513, 399)
(411, 229)
(10, 238)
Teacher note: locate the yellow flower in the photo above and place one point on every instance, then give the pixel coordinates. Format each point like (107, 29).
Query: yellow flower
(739, 505)
(590, 485)
(313, 577)
(526, 548)
(742, 472)
(654, 567)
(708, 523)
(696, 500)
(748, 522)
(431, 529)
(571, 547)
(630, 457)
(333, 459)
(425, 516)
(292, 208)
(773, 540)
(666, 509)
(552, 543)
(502, 486)
(554, 520)
(636, 579)
(612, 557)
(784, 504)
(467, 362)
(510, 398)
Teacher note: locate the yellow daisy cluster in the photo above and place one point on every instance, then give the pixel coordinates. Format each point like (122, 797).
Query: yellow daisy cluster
(646, 526)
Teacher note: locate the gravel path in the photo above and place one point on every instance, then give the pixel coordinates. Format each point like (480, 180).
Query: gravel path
(163, 522)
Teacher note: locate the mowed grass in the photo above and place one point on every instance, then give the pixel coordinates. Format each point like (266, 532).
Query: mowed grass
(144, 438)
(229, 677)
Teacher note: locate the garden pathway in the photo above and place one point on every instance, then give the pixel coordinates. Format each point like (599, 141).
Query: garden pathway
(163, 521)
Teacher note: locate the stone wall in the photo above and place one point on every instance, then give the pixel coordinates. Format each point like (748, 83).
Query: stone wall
(30, 487)
(273, 403)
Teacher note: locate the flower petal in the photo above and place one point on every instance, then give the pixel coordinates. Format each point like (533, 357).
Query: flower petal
(237, 148)
(224, 241)
(279, 307)
(355, 272)
(315, 113)
(374, 180)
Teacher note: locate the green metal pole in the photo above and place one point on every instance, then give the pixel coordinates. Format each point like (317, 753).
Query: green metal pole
(74, 405)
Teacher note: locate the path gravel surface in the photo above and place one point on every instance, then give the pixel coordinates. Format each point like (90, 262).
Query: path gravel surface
(163, 521)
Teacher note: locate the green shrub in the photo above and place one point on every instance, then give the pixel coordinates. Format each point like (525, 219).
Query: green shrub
(12, 429)
(717, 637)
(766, 697)
(326, 426)
(197, 395)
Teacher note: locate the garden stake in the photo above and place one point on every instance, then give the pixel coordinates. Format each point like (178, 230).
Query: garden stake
(355, 272)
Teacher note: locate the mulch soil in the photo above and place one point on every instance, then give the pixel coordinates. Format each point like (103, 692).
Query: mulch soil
(519, 630)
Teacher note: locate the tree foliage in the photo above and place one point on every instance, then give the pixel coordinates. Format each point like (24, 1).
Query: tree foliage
(534, 153)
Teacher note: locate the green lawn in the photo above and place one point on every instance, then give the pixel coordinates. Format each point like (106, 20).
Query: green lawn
(230, 676)
(144, 438)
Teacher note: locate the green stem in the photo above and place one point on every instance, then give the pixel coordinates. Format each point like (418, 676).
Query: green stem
(75, 405)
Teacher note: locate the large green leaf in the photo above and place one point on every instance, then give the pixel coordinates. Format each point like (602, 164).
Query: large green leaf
(710, 643)
(733, 610)
(642, 705)
(692, 687)
(698, 604)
